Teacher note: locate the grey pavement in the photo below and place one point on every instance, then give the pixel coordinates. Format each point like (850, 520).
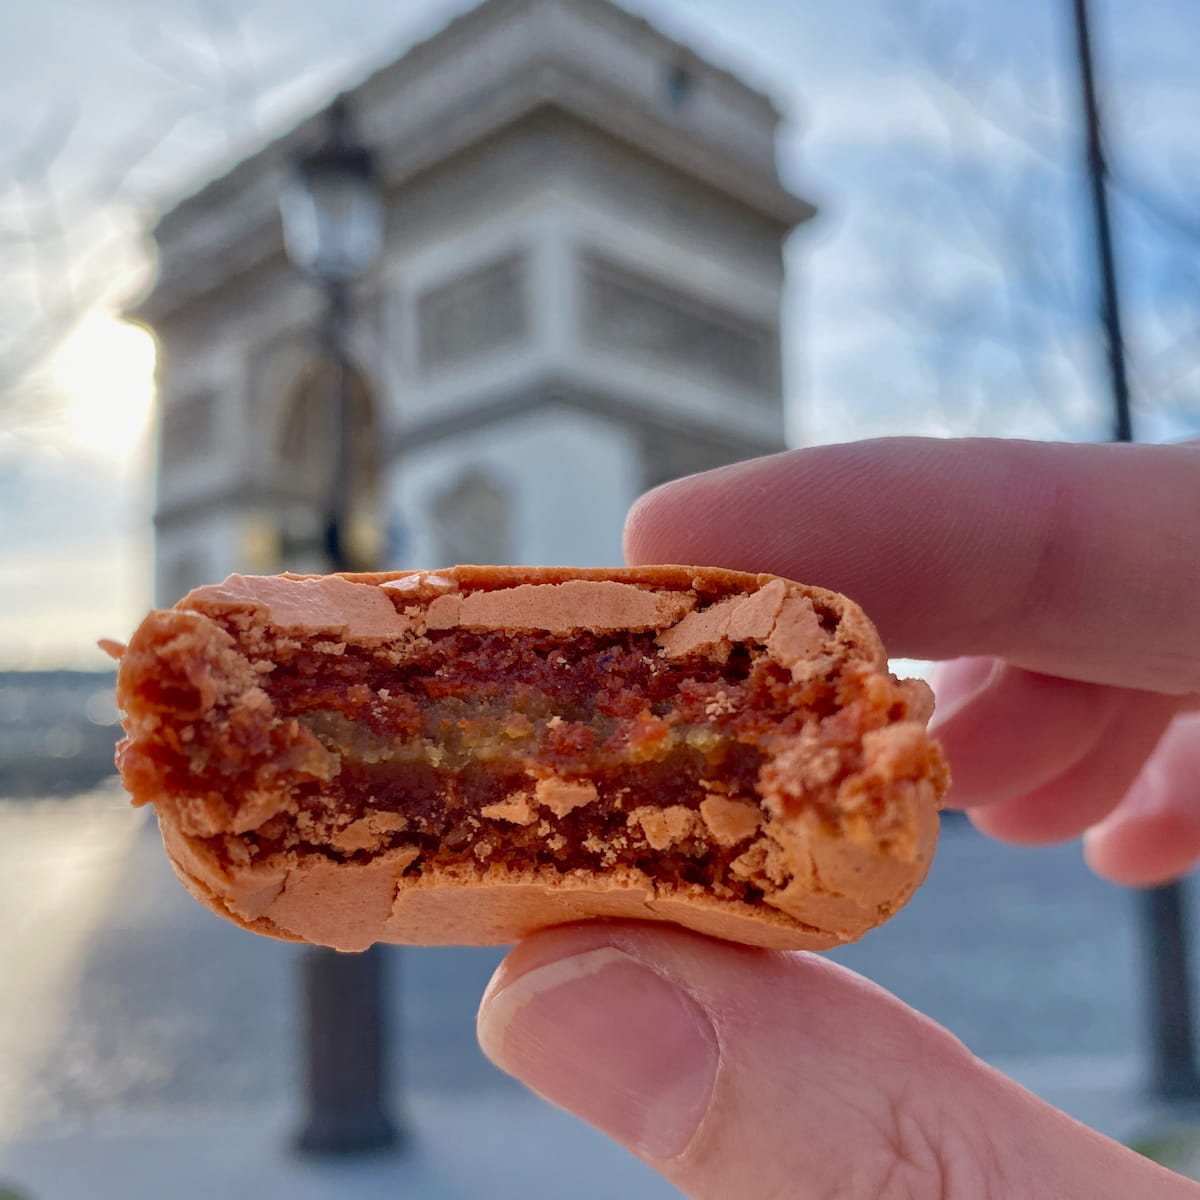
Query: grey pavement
(162, 1035)
(463, 1148)
(1021, 952)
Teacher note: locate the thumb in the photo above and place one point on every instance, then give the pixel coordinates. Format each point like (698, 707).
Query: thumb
(739, 1072)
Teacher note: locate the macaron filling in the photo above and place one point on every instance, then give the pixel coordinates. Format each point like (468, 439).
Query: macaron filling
(578, 752)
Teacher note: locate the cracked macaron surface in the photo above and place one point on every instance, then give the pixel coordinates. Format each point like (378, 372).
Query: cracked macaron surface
(471, 754)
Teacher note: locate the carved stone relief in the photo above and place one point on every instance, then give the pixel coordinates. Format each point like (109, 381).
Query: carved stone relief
(473, 314)
(666, 456)
(627, 312)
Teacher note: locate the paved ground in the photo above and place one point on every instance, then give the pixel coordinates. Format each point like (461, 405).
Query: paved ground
(122, 1001)
(1022, 953)
(464, 1147)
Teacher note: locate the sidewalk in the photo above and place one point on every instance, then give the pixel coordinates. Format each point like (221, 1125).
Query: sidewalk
(61, 861)
(1105, 1093)
(462, 1148)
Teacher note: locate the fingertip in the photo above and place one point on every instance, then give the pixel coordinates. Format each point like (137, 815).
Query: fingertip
(606, 1036)
(1143, 851)
(999, 822)
(672, 522)
(1083, 795)
(1154, 835)
(956, 682)
(641, 525)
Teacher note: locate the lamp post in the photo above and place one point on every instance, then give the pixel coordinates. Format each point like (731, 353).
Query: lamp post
(1174, 1074)
(333, 221)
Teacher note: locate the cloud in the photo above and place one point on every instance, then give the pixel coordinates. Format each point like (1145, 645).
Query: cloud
(862, 136)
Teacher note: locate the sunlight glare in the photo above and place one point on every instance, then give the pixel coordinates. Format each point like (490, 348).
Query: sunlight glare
(106, 369)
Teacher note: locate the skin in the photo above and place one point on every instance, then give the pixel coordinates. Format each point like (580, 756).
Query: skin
(1061, 585)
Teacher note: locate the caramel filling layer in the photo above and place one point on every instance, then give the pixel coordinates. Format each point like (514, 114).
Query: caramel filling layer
(533, 749)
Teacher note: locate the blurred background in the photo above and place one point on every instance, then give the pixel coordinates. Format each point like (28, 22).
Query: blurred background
(408, 284)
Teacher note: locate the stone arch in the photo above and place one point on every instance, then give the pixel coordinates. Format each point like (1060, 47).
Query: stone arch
(302, 450)
(472, 521)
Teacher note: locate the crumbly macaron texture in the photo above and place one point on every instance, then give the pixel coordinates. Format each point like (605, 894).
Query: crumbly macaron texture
(471, 754)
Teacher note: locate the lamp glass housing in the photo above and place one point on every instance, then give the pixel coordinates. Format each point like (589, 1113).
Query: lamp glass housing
(333, 215)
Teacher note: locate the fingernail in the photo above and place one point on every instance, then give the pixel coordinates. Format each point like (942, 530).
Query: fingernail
(612, 1041)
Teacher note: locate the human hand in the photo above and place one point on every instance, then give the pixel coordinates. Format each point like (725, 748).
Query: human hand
(1066, 581)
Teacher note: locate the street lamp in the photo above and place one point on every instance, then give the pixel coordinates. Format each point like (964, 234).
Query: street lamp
(332, 209)
(333, 221)
(1175, 1074)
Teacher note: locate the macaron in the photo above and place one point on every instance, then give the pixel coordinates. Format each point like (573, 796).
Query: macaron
(472, 754)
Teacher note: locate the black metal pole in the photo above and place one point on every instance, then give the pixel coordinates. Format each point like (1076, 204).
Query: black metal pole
(345, 1062)
(1163, 909)
(1097, 172)
(337, 511)
(1168, 980)
(344, 995)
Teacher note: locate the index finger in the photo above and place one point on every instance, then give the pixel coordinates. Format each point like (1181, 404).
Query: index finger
(1074, 560)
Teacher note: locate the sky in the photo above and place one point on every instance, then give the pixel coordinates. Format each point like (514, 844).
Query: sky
(944, 289)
